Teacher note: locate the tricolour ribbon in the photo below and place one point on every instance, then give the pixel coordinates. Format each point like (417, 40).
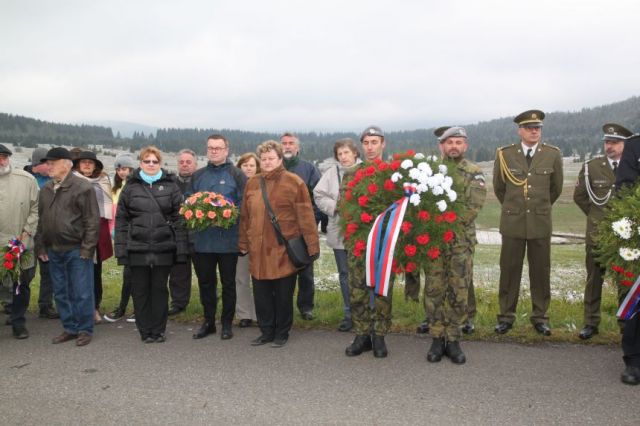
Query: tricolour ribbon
(381, 243)
(629, 304)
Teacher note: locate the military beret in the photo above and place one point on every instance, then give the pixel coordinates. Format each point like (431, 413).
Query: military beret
(453, 132)
(4, 150)
(440, 130)
(372, 131)
(616, 132)
(531, 118)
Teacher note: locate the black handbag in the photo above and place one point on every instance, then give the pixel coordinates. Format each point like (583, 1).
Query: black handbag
(296, 247)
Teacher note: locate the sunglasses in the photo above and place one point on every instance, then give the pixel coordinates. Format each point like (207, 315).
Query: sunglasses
(150, 161)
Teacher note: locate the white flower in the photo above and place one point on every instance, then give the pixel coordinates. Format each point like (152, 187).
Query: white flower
(414, 199)
(432, 158)
(406, 164)
(629, 254)
(425, 168)
(453, 196)
(414, 174)
(442, 169)
(623, 228)
(419, 156)
(422, 187)
(396, 177)
(447, 182)
(437, 190)
(442, 205)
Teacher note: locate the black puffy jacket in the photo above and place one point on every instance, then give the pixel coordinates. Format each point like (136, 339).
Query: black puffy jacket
(145, 235)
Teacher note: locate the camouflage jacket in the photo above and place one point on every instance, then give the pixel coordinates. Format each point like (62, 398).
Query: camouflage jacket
(527, 192)
(475, 192)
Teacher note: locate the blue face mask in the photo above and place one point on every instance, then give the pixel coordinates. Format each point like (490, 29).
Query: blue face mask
(150, 179)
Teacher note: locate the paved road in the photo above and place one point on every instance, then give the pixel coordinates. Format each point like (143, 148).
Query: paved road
(119, 380)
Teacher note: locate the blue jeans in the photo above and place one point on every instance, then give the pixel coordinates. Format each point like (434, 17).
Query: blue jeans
(343, 274)
(72, 279)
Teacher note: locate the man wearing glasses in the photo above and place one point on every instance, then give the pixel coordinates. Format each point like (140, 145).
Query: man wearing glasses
(527, 180)
(217, 248)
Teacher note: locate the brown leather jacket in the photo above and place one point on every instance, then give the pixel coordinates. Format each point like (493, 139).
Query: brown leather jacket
(290, 201)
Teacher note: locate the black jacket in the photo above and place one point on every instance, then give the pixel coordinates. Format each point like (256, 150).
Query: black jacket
(144, 234)
(629, 169)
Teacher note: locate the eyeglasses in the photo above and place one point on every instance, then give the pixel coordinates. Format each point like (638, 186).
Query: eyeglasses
(216, 148)
(150, 161)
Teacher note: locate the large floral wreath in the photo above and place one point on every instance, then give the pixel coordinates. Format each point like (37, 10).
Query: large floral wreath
(430, 221)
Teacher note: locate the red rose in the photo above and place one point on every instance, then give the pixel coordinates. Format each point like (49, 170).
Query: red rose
(448, 236)
(411, 152)
(406, 227)
(389, 185)
(617, 268)
(366, 217)
(370, 171)
(15, 249)
(629, 274)
(377, 161)
(372, 188)
(359, 174)
(410, 267)
(433, 253)
(382, 166)
(348, 194)
(8, 265)
(424, 216)
(626, 283)
(352, 227)
(362, 201)
(360, 245)
(395, 165)
(397, 156)
(422, 239)
(450, 217)
(410, 250)
(8, 256)
(439, 218)
(352, 183)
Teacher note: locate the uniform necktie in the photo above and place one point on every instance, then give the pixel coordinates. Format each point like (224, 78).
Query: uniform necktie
(529, 156)
(615, 166)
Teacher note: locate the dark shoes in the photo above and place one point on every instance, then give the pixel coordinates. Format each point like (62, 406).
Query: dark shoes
(503, 327)
(206, 329)
(542, 328)
(423, 328)
(468, 327)
(244, 323)
(115, 315)
(262, 340)
(436, 350)
(361, 343)
(588, 332)
(64, 337)
(279, 342)
(306, 315)
(631, 375)
(48, 312)
(379, 347)
(226, 332)
(345, 325)
(20, 333)
(174, 310)
(83, 339)
(454, 352)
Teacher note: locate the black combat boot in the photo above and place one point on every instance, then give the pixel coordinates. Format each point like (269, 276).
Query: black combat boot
(379, 347)
(468, 327)
(361, 343)
(454, 352)
(436, 350)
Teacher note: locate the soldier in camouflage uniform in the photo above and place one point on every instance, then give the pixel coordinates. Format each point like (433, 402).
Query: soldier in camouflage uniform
(447, 286)
(596, 183)
(527, 180)
(368, 319)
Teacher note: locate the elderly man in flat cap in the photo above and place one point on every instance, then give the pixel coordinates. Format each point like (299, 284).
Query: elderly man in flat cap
(596, 184)
(527, 180)
(18, 220)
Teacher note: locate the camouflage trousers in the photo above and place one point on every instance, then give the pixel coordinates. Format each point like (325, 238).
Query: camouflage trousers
(446, 292)
(368, 317)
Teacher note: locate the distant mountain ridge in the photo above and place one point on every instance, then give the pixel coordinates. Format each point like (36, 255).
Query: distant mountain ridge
(577, 132)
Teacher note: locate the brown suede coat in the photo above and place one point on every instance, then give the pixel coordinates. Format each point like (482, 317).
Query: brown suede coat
(290, 201)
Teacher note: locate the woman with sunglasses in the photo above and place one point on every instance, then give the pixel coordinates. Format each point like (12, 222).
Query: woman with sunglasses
(150, 238)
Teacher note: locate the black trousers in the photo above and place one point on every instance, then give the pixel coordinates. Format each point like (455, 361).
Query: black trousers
(206, 265)
(125, 293)
(274, 305)
(180, 284)
(45, 297)
(150, 298)
(97, 282)
(631, 342)
(20, 301)
(306, 289)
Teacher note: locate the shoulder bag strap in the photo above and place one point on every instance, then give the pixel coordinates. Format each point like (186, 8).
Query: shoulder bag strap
(272, 216)
(156, 202)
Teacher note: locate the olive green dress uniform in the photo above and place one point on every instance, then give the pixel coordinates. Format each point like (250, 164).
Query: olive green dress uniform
(448, 284)
(525, 223)
(601, 179)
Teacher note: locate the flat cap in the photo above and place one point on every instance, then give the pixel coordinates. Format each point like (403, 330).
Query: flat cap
(57, 153)
(613, 131)
(453, 132)
(37, 155)
(372, 131)
(531, 118)
(4, 150)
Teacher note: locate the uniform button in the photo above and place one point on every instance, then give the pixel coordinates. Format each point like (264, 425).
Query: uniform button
(529, 174)
(528, 211)
(528, 198)
(529, 186)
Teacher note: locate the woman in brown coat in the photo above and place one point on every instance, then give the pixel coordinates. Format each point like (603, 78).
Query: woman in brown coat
(272, 272)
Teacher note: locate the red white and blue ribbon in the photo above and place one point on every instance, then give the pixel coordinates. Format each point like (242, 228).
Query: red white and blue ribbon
(381, 243)
(629, 305)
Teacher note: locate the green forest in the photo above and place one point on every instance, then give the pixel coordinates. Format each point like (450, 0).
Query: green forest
(575, 133)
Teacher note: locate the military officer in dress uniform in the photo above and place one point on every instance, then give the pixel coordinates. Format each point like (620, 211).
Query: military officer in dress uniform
(596, 183)
(527, 180)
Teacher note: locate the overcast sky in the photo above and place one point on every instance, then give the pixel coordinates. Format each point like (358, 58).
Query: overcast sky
(313, 65)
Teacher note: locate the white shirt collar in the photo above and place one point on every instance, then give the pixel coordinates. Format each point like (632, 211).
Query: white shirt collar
(525, 148)
(611, 162)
